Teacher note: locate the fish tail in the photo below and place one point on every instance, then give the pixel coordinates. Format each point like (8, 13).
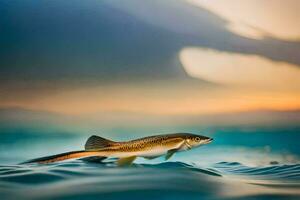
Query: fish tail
(63, 156)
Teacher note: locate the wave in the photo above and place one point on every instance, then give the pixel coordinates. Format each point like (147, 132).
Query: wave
(280, 172)
(168, 180)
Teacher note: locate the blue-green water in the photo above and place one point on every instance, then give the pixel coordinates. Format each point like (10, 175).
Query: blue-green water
(241, 163)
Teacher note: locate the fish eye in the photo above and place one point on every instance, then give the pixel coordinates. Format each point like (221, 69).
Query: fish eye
(197, 139)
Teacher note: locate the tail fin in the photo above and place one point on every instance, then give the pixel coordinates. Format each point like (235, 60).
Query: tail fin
(61, 157)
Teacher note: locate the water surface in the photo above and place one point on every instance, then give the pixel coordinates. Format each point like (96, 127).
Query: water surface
(252, 163)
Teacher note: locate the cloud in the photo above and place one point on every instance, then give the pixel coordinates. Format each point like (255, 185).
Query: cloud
(257, 18)
(250, 71)
(124, 39)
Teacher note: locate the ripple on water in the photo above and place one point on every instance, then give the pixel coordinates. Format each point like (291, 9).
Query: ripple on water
(71, 180)
(32, 177)
(279, 172)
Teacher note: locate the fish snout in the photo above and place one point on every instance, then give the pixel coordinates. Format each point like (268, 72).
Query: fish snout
(208, 140)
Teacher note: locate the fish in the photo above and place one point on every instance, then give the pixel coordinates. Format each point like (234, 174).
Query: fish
(126, 152)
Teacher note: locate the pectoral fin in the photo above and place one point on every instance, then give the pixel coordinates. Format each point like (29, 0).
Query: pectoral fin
(126, 161)
(170, 153)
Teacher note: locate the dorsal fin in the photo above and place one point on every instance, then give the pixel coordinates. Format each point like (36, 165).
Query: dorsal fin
(95, 142)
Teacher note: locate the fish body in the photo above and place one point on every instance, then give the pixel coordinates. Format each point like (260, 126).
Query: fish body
(147, 147)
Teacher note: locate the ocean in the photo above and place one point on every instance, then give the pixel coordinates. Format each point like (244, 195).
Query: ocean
(241, 163)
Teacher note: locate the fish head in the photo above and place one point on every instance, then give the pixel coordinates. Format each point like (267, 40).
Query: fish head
(193, 140)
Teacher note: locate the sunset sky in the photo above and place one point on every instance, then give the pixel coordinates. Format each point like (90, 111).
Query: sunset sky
(174, 57)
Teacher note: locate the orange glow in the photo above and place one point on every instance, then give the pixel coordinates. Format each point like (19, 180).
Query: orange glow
(159, 100)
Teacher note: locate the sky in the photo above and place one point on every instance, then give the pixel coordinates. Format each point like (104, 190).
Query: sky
(173, 57)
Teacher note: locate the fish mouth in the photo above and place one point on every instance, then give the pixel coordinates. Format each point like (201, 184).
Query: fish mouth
(209, 140)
